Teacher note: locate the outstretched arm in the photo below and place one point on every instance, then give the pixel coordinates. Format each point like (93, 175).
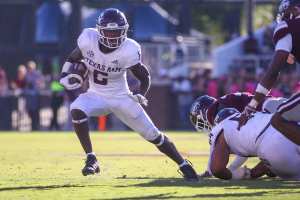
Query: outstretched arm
(220, 158)
(141, 72)
(283, 46)
(219, 161)
(283, 40)
(265, 85)
(271, 76)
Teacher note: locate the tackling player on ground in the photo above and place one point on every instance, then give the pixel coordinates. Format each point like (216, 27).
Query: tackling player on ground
(257, 138)
(108, 54)
(287, 48)
(205, 108)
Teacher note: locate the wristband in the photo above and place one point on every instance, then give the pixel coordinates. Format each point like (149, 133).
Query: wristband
(253, 103)
(261, 89)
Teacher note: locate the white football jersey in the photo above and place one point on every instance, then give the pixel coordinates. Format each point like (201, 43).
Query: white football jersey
(243, 142)
(107, 72)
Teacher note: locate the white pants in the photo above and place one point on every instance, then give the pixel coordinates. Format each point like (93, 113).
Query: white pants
(271, 104)
(282, 155)
(127, 110)
(290, 108)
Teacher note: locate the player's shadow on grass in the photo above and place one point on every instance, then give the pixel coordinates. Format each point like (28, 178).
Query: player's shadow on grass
(264, 183)
(39, 187)
(231, 188)
(174, 196)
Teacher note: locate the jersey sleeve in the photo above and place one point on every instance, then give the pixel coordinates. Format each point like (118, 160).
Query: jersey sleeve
(133, 55)
(280, 32)
(285, 43)
(236, 100)
(83, 40)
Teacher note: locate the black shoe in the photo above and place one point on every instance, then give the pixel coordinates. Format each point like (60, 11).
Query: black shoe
(91, 166)
(188, 172)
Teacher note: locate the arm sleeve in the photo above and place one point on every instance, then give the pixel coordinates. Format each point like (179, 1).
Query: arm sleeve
(134, 56)
(285, 43)
(282, 38)
(82, 41)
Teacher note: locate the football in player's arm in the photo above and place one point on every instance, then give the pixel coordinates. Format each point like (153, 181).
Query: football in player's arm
(139, 70)
(286, 38)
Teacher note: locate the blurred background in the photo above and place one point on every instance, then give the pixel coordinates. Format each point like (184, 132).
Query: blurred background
(192, 47)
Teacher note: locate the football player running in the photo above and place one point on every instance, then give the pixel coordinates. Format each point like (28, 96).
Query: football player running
(108, 54)
(257, 138)
(287, 49)
(205, 108)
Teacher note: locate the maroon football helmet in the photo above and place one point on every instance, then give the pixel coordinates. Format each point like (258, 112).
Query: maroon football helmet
(112, 26)
(198, 113)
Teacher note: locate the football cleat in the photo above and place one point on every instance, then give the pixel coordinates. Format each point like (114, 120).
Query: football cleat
(188, 172)
(91, 166)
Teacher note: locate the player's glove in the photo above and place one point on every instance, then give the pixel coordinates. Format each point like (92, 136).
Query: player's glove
(241, 173)
(71, 81)
(246, 115)
(139, 98)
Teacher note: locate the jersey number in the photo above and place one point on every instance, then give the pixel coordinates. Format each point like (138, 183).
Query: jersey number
(100, 77)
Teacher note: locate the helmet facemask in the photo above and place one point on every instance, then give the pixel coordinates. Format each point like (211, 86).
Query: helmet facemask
(112, 35)
(200, 121)
(199, 113)
(202, 124)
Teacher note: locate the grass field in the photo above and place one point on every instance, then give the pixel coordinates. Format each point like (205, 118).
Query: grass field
(48, 166)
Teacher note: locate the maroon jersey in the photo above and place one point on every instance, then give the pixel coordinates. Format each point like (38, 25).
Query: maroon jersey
(237, 100)
(291, 26)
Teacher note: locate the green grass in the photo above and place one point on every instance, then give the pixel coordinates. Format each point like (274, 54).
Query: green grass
(48, 166)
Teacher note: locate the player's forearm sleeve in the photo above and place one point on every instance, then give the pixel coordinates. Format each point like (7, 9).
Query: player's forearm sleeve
(66, 67)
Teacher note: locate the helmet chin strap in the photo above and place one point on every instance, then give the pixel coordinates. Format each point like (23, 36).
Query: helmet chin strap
(105, 48)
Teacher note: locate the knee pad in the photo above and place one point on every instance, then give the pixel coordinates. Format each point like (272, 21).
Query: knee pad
(78, 116)
(151, 134)
(160, 140)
